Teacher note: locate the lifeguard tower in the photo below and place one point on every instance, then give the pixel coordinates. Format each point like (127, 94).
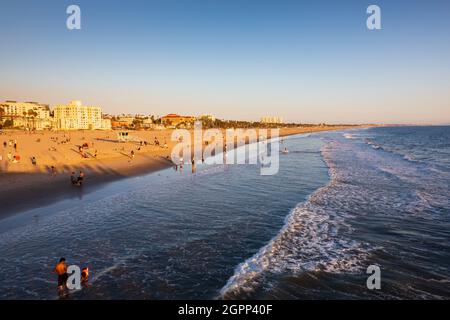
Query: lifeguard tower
(123, 136)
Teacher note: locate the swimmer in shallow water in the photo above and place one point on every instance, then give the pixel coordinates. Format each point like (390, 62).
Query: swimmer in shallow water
(61, 271)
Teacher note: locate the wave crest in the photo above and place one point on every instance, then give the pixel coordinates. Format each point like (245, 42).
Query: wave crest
(314, 237)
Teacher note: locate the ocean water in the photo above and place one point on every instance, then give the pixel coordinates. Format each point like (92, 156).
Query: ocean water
(341, 201)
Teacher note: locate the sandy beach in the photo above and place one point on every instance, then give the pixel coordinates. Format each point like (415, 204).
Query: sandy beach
(26, 185)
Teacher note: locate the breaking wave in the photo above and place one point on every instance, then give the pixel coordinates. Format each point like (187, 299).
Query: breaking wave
(373, 193)
(314, 237)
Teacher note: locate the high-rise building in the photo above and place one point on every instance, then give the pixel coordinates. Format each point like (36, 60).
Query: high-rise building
(75, 116)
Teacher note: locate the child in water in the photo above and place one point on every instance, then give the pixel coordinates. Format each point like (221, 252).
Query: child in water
(61, 271)
(85, 277)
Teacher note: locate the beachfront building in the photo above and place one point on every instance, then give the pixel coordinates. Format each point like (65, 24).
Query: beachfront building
(270, 119)
(76, 116)
(122, 122)
(174, 120)
(28, 115)
(207, 117)
(21, 109)
(31, 123)
(128, 120)
(106, 124)
(147, 123)
(118, 124)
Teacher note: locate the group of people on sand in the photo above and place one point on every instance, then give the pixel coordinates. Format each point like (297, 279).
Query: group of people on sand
(85, 146)
(62, 141)
(81, 151)
(144, 144)
(13, 159)
(61, 270)
(12, 144)
(158, 144)
(77, 181)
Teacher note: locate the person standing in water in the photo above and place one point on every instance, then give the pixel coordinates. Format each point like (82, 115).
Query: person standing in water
(80, 178)
(193, 165)
(61, 271)
(85, 277)
(73, 178)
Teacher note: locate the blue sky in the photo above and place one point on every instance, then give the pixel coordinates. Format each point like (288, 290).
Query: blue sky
(307, 61)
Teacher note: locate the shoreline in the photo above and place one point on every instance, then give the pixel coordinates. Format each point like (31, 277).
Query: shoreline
(26, 190)
(42, 190)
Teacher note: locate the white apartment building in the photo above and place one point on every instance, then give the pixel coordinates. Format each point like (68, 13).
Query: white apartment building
(75, 116)
(30, 115)
(25, 109)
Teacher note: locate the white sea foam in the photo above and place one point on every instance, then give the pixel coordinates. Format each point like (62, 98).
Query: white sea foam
(317, 235)
(350, 136)
(313, 238)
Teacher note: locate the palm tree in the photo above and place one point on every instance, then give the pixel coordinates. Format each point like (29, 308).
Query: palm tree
(32, 114)
(2, 111)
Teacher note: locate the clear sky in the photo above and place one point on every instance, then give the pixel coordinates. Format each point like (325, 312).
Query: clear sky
(307, 61)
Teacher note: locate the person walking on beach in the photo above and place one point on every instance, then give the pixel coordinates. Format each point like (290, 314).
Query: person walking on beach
(132, 154)
(61, 271)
